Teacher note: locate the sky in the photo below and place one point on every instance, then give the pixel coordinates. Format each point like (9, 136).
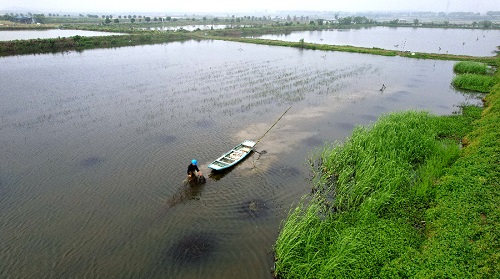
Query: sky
(207, 6)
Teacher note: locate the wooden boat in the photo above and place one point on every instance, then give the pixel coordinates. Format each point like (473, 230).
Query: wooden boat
(234, 156)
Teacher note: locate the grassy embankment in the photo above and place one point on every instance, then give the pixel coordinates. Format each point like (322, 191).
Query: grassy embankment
(402, 199)
(79, 43)
(242, 35)
(473, 76)
(13, 26)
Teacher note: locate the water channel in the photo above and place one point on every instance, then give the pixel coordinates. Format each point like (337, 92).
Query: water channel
(474, 42)
(95, 145)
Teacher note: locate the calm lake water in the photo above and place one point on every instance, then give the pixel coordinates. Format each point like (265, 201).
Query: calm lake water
(95, 146)
(475, 42)
(48, 34)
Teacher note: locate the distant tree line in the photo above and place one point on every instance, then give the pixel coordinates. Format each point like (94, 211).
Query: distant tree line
(493, 13)
(277, 20)
(39, 18)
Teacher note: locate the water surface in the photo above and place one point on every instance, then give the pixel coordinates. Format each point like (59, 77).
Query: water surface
(95, 146)
(475, 42)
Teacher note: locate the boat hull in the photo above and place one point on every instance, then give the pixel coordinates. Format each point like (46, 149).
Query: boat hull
(234, 156)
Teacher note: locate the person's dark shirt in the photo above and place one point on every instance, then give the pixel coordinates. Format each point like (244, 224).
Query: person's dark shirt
(192, 168)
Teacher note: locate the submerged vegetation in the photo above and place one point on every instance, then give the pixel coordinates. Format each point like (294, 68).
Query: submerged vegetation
(402, 199)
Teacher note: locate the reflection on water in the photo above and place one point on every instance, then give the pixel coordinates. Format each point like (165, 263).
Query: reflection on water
(475, 42)
(95, 145)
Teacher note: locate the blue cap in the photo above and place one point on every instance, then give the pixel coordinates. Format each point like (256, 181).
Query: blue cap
(194, 162)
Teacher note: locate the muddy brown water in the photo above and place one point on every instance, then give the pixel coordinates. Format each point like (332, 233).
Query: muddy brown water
(94, 148)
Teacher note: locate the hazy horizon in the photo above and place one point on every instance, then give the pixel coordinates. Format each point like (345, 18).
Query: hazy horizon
(256, 6)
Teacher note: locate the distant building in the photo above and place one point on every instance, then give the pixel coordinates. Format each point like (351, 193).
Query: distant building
(23, 19)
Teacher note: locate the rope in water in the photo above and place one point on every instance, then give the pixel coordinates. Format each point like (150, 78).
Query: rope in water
(273, 125)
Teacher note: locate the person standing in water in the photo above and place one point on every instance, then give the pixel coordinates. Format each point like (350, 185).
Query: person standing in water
(193, 169)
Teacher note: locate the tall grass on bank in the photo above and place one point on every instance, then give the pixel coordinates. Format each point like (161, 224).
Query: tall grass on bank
(78, 43)
(373, 190)
(474, 82)
(464, 223)
(470, 67)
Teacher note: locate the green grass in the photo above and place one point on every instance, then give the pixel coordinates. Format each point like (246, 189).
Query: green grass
(463, 237)
(470, 67)
(474, 82)
(402, 199)
(367, 209)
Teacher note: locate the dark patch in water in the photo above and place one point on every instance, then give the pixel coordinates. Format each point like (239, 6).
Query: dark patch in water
(11, 112)
(285, 171)
(205, 123)
(403, 92)
(91, 161)
(3, 189)
(167, 139)
(193, 248)
(254, 208)
(313, 142)
(368, 117)
(393, 99)
(346, 126)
